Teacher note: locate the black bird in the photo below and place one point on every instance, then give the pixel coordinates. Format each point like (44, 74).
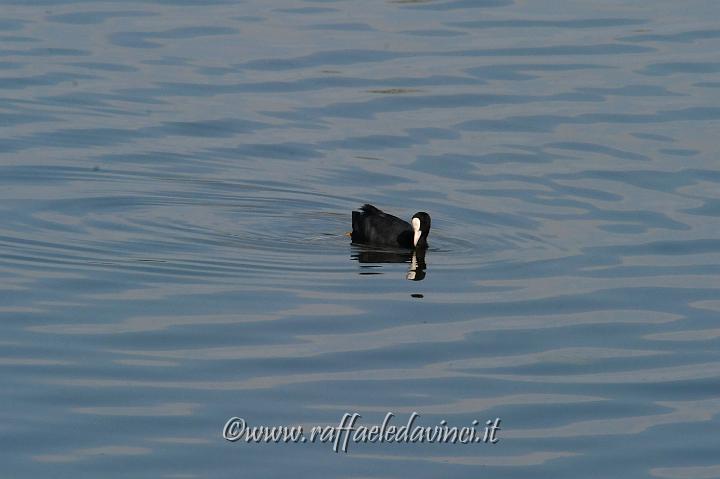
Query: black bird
(372, 226)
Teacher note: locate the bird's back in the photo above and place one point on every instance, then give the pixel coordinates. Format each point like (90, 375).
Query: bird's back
(372, 226)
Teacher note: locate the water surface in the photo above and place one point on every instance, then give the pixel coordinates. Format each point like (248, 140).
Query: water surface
(176, 179)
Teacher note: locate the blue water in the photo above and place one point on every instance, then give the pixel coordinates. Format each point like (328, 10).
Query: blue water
(176, 179)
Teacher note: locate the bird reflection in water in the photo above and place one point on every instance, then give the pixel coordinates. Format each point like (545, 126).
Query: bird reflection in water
(374, 258)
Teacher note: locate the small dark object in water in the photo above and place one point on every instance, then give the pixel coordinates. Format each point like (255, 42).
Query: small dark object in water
(417, 295)
(372, 226)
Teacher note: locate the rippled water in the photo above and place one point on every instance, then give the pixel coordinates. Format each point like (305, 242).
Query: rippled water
(176, 179)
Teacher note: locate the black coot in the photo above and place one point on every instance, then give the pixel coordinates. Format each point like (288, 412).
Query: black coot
(372, 226)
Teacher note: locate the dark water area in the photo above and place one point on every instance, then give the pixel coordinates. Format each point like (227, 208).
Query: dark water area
(176, 182)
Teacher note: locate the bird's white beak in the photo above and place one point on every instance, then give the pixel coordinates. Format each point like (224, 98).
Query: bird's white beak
(416, 228)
